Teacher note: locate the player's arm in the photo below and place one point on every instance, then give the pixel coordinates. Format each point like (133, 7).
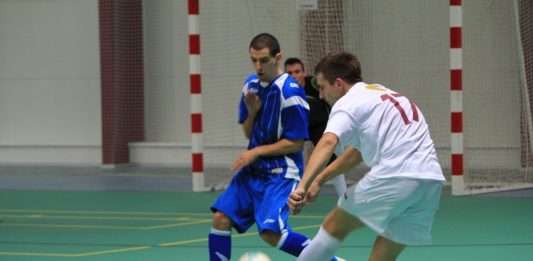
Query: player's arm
(348, 160)
(248, 124)
(282, 147)
(253, 104)
(340, 124)
(319, 158)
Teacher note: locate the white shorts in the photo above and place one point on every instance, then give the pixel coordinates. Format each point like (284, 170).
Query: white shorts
(399, 209)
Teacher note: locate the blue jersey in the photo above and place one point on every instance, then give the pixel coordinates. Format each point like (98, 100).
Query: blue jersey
(283, 114)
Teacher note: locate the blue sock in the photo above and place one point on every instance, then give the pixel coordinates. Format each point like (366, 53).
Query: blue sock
(293, 243)
(219, 245)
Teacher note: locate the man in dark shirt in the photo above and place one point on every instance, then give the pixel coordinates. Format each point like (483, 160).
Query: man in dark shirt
(318, 114)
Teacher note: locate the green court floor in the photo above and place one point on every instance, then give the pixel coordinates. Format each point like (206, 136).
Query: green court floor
(75, 225)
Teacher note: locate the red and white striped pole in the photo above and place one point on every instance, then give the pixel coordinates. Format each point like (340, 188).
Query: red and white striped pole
(456, 96)
(196, 97)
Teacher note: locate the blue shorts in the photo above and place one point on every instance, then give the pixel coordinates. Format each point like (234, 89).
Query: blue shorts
(262, 199)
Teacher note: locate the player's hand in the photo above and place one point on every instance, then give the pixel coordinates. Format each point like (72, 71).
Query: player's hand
(243, 159)
(253, 103)
(312, 193)
(296, 201)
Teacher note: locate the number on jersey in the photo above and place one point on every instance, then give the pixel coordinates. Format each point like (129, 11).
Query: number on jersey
(391, 97)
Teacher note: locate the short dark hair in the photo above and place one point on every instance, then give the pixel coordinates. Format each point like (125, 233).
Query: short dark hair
(265, 40)
(293, 60)
(340, 64)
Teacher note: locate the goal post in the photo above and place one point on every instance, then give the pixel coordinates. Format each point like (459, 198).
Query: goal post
(496, 100)
(406, 46)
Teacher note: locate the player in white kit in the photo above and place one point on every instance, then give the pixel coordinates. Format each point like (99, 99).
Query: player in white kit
(399, 196)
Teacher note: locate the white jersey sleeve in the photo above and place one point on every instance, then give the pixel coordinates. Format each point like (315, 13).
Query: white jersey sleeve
(342, 124)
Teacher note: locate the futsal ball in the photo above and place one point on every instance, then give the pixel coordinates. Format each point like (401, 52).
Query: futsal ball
(254, 256)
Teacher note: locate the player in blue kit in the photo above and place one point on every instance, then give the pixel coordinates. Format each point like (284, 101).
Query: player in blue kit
(274, 115)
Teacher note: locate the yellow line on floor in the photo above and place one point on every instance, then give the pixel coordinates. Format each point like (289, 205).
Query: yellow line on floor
(69, 217)
(4, 211)
(203, 221)
(102, 212)
(77, 254)
(36, 254)
(185, 242)
(71, 226)
(88, 226)
(113, 251)
(129, 249)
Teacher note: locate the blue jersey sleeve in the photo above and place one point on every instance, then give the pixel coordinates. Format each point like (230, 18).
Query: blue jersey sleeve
(243, 112)
(295, 114)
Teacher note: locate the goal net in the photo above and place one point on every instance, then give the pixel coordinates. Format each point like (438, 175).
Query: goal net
(402, 45)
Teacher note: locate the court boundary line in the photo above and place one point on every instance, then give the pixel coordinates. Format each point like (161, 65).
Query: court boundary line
(136, 248)
(38, 214)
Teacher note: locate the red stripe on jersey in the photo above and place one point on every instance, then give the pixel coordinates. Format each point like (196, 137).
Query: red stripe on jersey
(457, 164)
(457, 122)
(196, 122)
(397, 105)
(385, 97)
(197, 162)
(415, 111)
(196, 83)
(455, 37)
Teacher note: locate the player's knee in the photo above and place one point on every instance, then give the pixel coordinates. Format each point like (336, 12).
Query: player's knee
(270, 237)
(221, 221)
(339, 223)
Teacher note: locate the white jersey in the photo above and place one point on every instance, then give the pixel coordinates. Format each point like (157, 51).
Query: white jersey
(389, 131)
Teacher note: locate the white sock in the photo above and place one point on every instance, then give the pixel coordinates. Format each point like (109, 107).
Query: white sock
(322, 247)
(340, 184)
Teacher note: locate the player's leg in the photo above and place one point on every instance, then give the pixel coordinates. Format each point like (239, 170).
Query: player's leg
(307, 151)
(220, 237)
(271, 237)
(412, 225)
(226, 207)
(337, 225)
(289, 242)
(385, 250)
(272, 215)
(221, 221)
(339, 182)
(412, 207)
